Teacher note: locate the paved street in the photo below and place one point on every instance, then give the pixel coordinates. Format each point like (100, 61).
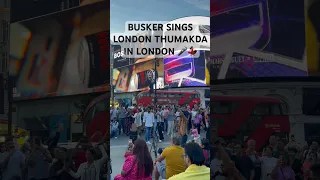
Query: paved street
(119, 146)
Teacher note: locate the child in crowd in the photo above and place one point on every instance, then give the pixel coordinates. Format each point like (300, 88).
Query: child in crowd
(196, 136)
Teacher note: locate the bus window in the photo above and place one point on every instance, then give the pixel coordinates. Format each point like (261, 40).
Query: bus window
(224, 107)
(221, 107)
(261, 109)
(275, 109)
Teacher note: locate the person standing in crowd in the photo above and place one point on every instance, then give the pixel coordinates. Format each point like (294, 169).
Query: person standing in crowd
(138, 121)
(79, 152)
(197, 121)
(91, 169)
(294, 162)
(205, 145)
(273, 143)
(283, 171)
(193, 158)
(243, 162)
(138, 166)
(311, 160)
(113, 113)
(114, 127)
(280, 149)
(57, 168)
(172, 156)
(267, 163)
(217, 166)
(38, 161)
(148, 123)
(159, 124)
(170, 120)
(12, 160)
(193, 116)
(182, 127)
(122, 117)
(251, 152)
(165, 118)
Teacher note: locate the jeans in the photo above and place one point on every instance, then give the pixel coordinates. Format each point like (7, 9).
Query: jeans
(148, 134)
(114, 132)
(184, 140)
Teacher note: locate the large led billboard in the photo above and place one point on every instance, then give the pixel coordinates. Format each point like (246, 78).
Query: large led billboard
(257, 38)
(139, 76)
(27, 9)
(313, 36)
(62, 53)
(185, 70)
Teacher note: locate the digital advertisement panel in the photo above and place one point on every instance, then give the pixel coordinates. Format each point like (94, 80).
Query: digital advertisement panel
(60, 54)
(186, 70)
(313, 36)
(138, 77)
(257, 38)
(27, 9)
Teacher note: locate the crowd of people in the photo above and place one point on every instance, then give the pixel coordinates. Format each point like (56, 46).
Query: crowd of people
(162, 119)
(183, 159)
(280, 160)
(37, 159)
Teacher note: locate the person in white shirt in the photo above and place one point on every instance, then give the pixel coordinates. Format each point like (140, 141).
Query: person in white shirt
(267, 163)
(148, 120)
(91, 169)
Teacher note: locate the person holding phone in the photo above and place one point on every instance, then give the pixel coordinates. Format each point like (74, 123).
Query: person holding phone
(283, 171)
(38, 161)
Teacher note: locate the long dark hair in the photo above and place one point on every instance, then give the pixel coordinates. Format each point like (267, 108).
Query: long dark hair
(143, 158)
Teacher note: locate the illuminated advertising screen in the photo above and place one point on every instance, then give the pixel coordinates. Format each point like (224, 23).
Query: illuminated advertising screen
(27, 9)
(186, 70)
(257, 38)
(139, 76)
(118, 57)
(313, 36)
(60, 54)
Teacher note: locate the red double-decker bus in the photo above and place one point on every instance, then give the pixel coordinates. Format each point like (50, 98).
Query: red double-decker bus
(246, 118)
(145, 98)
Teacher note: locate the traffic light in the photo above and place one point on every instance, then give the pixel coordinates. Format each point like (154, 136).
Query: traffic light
(157, 62)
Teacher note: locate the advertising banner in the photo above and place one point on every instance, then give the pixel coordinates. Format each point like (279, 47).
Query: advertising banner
(118, 59)
(313, 36)
(186, 70)
(27, 9)
(138, 77)
(257, 38)
(60, 54)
